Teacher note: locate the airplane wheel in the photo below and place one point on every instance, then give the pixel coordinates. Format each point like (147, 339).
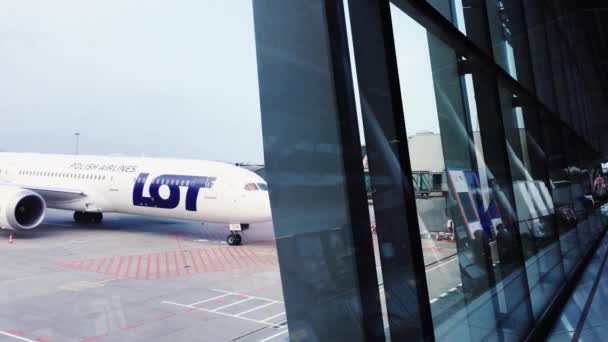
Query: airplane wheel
(233, 239)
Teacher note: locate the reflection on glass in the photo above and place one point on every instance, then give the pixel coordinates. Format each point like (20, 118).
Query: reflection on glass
(533, 200)
(474, 275)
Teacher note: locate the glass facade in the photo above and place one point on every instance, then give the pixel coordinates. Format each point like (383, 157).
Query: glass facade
(427, 170)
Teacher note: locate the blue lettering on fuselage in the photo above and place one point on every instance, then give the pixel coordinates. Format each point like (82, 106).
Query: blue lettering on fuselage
(174, 183)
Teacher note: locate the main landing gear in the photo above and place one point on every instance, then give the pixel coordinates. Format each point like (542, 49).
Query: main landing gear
(88, 217)
(234, 239)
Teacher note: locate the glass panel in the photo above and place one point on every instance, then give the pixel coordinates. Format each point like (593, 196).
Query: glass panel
(473, 286)
(506, 26)
(534, 204)
(561, 190)
(452, 10)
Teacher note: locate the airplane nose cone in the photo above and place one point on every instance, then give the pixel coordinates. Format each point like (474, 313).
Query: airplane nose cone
(266, 209)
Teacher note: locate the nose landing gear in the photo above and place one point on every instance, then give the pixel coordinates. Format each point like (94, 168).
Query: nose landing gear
(235, 239)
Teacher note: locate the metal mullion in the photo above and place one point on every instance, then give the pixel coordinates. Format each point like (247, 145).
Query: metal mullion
(407, 300)
(353, 163)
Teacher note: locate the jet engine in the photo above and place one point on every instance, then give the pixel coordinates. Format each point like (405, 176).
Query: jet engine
(20, 209)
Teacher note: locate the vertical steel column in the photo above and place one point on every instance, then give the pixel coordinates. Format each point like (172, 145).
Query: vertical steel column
(401, 255)
(314, 171)
(493, 138)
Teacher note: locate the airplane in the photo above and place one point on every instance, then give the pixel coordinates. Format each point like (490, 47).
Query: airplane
(194, 190)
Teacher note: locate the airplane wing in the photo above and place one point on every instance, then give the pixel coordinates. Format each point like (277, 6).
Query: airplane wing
(55, 194)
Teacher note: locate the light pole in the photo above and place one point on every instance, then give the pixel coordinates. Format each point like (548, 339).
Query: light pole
(77, 135)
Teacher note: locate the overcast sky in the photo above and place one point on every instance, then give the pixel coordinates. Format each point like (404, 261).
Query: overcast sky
(158, 78)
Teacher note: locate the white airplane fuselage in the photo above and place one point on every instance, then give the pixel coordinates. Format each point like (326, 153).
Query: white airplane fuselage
(196, 190)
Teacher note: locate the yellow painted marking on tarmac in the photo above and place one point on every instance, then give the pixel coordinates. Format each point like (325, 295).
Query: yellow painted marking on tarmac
(107, 280)
(80, 285)
(85, 284)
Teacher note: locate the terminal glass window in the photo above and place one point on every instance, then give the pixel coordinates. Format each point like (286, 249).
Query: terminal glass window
(474, 271)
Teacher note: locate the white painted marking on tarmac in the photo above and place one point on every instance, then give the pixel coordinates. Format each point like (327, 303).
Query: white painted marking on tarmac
(15, 336)
(254, 309)
(221, 313)
(246, 295)
(441, 264)
(210, 299)
(443, 295)
(459, 285)
(452, 289)
(231, 304)
(8, 281)
(275, 316)
(273, 336)
(433, 300)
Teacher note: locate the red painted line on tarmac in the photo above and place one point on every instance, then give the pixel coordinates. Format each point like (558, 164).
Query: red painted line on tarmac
(176, 264)
(100, 264)
(210, 261)
(244, 258)
(234, 256)
(133, 326)
(94, 338)
(80, 264)
(167, 269)
(138, 267)
(225, 258)
(91, 263)
(266, 259)
(120, 261)
(128, 266)
(109, 265)
(193, 262)
(185, 262)
(247, 257)
(162, 318)
(181, 251)
(200, 257)
(258, 257)
(148, 266)
(214, 250)
(179, 243)
(157, 265)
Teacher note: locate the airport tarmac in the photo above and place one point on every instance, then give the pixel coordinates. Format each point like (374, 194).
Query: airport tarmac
(136, 278)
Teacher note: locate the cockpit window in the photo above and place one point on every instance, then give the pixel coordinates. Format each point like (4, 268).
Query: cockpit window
(251, 187)
(263, 186)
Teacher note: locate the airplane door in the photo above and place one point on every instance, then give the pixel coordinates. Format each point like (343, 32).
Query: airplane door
(209, 191)
(6, 175)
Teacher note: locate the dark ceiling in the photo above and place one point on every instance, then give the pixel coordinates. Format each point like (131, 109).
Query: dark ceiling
(593, 16)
